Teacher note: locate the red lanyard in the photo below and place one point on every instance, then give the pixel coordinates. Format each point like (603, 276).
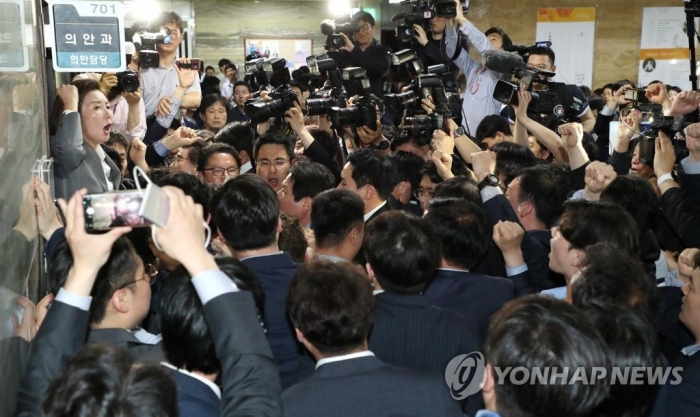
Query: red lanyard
(479, 71)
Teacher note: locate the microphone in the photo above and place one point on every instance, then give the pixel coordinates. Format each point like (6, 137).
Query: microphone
(503, 62)
(328, 27)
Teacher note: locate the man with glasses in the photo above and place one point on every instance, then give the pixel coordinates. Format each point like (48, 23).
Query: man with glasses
(217, 163)
(159, 84)
(274, 154)
(364, 52)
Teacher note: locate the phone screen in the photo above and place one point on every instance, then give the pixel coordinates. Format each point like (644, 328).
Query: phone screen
(107, 210)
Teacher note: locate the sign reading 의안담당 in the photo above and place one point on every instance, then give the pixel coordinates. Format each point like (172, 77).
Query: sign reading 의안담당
(13, 50)
(88, 36)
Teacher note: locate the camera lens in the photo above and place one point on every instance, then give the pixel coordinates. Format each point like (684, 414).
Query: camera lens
(318, 106)
(418, 127)
(344, 117)
(261, 111)
(129, 82)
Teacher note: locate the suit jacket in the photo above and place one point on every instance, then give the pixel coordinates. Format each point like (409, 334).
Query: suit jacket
(367, 386)
(360, 258)
(474, 296)
(249, 378)
(195, 398)
(275, 272)
(684, 398)
(76, 163)
(124, 339)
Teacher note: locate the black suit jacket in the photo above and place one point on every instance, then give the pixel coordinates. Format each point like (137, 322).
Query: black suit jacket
(124, 339)
(360, 258)
(368, 387)
(474, 296)
(195, 398)
(275, 273)
(684, 398)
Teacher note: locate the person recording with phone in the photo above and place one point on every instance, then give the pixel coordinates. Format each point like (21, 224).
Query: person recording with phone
(159, 84)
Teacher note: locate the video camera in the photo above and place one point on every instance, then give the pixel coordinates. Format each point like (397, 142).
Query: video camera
(523, 51)
(363, 112)
(422, 12)
(146, 44)
(333, 92)
(283, 97)
(653, 122)
(332, 30)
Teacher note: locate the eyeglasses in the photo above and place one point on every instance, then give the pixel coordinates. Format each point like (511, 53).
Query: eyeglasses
(218, 172)
(423, 194)
(278, 163)
(150, 274)
(364, 28)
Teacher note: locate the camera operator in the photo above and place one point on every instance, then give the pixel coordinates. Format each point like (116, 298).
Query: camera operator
(572, 103)
(364, 52)
(427, 45)
(478, 101)
(159, 84)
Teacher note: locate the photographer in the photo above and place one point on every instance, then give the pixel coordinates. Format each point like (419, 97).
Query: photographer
(478, 99)
(159, 84)
(364, 52)
(427, 45)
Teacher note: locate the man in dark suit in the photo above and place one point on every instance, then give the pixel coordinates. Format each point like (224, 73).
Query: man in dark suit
(246, 211)
(402, 254)
(461, 227)
(332, 308)
(249, 384)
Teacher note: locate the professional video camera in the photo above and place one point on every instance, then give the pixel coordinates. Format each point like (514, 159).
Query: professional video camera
(333, 92)
(544, 101)
(127, 82)
(283, 97)
(146, 44)
(454, 101)
(653, 121)
(421, 13)
(363, 112)
(332, 30)
(523, 51)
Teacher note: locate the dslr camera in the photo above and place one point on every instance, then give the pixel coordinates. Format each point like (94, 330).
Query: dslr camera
(283, 97)
(333, 92)
(127, 82)
(146, 44)
(332, 30)
(363, 112)
(454, 101)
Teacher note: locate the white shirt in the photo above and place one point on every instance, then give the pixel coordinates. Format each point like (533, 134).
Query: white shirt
(227, 90)
(205, 381)
(344, 357)
(107, 170)
(368, 215)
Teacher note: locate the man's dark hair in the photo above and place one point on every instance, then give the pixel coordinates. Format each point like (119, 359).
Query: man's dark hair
(244, 84)
(210, 87)
(330, 144)
(402, 250)
(506, 39)
(102, 380)
(223, 62)
(621, 83)
(211, 99)
(187, 343)
(429, 169)
(490, 125)
(239, 135)
(191, 186)
(545, 186)
(363, 16)
(461, 187)
(543, 50)
(544, 333)
(590, 146)
(408, 166)
(512, 158)
(332, 305)
(168, 17)
(118, 271)
(584, 223)
(632, 343)
(274, 137)
(370, 167)
(300, 86)
(113, 155)
(192, 151)
(333, 214)
(292, 239)
(246, 210)
(310, 179)
(462, 229)
(209, 67)
(612, 277)
(117, 138)
(208, 151)
(636, 196)
(596, 102)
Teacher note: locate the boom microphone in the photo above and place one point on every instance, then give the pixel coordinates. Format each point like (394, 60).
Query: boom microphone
(328, 27)
(503, 62)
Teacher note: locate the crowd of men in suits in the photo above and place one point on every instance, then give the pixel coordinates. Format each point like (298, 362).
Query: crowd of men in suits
(347, 270)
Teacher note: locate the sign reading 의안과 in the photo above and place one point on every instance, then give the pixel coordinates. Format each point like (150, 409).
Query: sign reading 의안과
(88, 36)
(13, 50)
